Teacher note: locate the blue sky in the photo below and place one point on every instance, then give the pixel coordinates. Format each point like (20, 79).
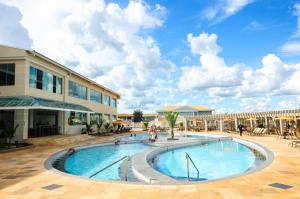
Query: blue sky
(230, 55)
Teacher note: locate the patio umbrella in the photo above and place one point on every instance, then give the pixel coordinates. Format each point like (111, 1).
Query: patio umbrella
(285, 118)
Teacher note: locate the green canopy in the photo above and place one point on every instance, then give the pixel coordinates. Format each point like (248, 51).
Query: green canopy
(28, 102)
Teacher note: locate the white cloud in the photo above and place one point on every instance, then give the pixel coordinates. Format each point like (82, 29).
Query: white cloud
(103, 41)
(290, 103)
(290, 48)
(12, 32)
(255, 104)
(273, 78)
(224, 9)
(213, 71)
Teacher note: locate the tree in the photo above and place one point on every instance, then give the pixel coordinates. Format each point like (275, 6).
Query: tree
(171, 118)
(100, 123)
(146, 124)
(137, 116)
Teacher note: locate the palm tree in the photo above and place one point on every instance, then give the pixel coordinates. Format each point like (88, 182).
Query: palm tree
(171, 118)
(146, 124)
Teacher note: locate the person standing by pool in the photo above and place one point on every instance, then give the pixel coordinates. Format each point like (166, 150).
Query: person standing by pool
(241, 128)
(153, 133)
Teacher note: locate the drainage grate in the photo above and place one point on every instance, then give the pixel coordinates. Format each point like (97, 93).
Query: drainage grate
(52, 187)
(280, 186)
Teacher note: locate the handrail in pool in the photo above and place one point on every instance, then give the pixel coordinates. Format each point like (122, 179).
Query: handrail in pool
(188, 159)
(126, 165)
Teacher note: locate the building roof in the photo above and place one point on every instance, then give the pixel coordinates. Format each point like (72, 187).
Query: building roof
(37, 54)
(173, 108)
(28, 102)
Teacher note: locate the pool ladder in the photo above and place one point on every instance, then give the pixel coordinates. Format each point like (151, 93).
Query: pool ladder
(125, 158)
(188, 160)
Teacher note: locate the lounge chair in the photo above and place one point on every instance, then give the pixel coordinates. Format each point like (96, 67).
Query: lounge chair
(296, 142)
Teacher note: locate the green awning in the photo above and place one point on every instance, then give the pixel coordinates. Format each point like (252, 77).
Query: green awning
(28, 102)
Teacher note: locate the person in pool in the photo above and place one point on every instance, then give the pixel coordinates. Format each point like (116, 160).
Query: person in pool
(153, 133)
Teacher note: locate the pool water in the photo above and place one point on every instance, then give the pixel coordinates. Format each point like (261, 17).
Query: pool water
(140, 137)
(213, 160)
(87, 161)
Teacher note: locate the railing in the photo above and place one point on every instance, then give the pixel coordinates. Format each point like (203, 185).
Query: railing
(188, 160)
(108, 166)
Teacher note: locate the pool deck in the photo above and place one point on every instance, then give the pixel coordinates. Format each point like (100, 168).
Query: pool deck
(22, 175)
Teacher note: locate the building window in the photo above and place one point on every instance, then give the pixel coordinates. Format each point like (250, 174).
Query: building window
(7, 74)
(95, 118)
(76, 118)
(57, 85)
(47, 84)
(76, 90)
(106, 100)
(114, 103)
(95, 96)
(106, 117)
(44, 81)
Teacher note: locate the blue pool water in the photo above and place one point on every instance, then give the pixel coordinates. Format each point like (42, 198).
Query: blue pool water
(86, 162)
(213, 160)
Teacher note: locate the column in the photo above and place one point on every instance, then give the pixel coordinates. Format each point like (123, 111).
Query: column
(205, 124)
(236, 124)
(185, 125)
(21, 119)
(267, 122)
(251, 123)
(281, 126)
(221, 125)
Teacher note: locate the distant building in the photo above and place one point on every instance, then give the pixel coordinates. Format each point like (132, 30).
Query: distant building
(186, 110)
(147, 117)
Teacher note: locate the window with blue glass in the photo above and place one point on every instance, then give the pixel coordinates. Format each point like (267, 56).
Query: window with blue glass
(7, 74)
(45, 81)
(114, 103)
(106, 100)
(77, 90)
(95, 96)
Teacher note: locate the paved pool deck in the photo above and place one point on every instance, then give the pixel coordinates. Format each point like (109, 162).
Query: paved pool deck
(22, 175)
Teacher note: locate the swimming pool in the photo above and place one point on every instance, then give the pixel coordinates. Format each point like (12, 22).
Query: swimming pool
(87, 161)
(214, 160)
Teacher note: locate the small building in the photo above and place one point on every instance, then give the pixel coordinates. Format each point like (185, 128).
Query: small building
(186, 110)
(46, 98)
(147, 117)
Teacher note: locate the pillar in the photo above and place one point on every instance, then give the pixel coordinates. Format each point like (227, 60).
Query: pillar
(185, 125)
(21, 119)
(281, 126)
(267, 122)
(236, 124)
(221, 126)
(206, 126)
(251, 123)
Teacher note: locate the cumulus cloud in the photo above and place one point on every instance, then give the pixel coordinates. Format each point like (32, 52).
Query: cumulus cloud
(103, 41)
(273, 78)
(213, 71)
(12, 32)
(223, 9)
(255, 104)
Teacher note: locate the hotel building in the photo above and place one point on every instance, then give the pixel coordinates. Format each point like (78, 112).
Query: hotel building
(46, 98)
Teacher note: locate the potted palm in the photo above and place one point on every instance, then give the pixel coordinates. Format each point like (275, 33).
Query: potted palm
(171, 118)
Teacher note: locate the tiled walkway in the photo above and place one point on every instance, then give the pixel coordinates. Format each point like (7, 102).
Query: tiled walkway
(22, 175)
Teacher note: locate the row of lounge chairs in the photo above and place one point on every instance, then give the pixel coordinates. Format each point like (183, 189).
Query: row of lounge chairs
(258, 131)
